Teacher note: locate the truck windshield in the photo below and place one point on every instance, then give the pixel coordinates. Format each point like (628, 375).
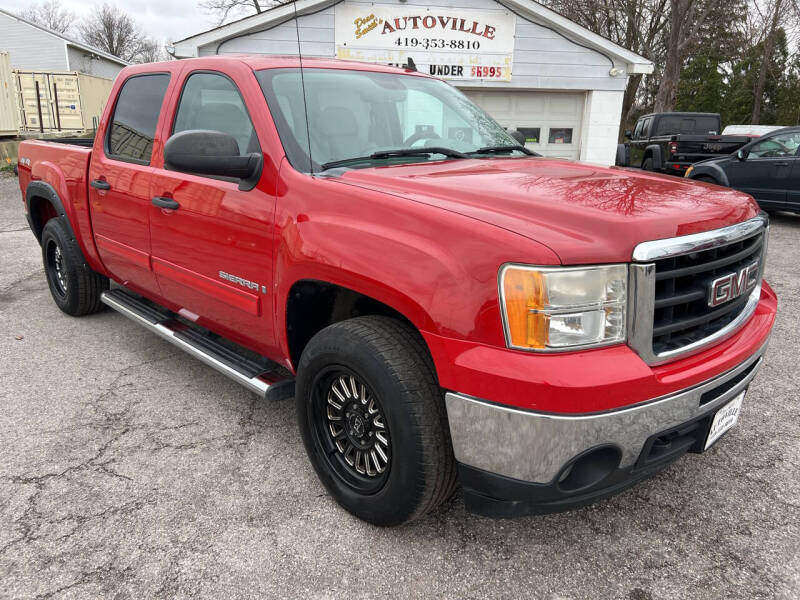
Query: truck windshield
(363, 118)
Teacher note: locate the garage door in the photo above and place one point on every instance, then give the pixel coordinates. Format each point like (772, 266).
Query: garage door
(550, 120)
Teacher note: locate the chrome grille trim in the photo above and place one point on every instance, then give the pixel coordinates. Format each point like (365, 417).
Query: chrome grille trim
(642, 285)
(666, 248)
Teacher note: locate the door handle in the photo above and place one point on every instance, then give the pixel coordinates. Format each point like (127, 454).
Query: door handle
(781, 164)
(162, 202)
(100, 184)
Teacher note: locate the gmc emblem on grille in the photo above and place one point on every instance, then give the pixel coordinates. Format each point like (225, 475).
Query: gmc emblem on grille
(731, 286)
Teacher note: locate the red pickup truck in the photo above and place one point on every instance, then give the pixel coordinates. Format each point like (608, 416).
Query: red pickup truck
(443, 305)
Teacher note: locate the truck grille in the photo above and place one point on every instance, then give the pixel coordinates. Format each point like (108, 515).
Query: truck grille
(681, 314)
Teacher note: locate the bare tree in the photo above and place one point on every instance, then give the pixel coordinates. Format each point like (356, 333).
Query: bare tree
(224, 9)
(112, 30)
(634, 24)
(152, 51)
(50, 14)
(774, 20)
(686, 20)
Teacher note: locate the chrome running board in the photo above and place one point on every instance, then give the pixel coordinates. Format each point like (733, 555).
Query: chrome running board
(256, 374)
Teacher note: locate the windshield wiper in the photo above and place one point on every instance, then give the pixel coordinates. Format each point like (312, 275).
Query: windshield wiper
(383, 154)
(419, 152)
(503, 150)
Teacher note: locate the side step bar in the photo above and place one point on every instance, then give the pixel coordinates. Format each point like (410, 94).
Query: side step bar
(256, 375)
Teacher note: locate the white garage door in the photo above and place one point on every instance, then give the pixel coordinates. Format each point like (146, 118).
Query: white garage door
(550, 120)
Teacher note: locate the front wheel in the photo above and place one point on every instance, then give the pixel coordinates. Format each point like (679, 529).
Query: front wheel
(647, 165)
(373, 420)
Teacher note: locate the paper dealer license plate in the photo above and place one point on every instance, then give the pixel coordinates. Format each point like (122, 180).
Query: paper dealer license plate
(725, 418)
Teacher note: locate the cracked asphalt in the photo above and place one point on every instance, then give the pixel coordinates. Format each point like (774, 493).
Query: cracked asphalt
(130, 470)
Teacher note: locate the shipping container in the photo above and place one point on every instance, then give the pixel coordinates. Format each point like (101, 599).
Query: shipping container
(58, 101)
(8, 104)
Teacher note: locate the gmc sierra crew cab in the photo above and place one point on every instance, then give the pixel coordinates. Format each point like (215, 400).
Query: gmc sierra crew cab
(444, 306)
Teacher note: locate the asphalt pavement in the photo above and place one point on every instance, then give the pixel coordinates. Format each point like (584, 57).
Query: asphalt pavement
(130, 470)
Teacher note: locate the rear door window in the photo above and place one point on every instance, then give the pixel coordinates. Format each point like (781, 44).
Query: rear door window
(133, 124)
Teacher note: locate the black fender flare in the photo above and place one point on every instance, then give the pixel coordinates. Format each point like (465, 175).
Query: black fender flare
(42, 189)
(713, 171)
(654, 152)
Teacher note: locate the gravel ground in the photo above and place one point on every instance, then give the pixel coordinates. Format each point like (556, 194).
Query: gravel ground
(130, 470)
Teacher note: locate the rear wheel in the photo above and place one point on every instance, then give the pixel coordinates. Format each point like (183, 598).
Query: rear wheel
(373, 420)
(75, 287)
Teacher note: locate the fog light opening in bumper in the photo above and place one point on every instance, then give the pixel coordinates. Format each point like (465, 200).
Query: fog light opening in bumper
(589, 468)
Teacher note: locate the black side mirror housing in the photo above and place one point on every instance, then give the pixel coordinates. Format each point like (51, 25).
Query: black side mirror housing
(517, 135)
(628, 134)
(206, 152)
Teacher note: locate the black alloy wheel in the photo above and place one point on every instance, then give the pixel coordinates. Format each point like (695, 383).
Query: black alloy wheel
(349, 424)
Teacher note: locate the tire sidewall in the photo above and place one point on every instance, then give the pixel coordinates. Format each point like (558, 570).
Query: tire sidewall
(54, 233)
(396, 500)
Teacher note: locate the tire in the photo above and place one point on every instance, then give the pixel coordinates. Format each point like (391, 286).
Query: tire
(706, 179)
(75, 287)
(647, 165)
(390, 367)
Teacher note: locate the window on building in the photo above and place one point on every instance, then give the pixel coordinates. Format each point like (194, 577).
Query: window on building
(560, 135)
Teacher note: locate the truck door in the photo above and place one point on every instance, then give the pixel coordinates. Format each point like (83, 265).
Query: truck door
(793, 195)
(212, 254)
(639, 141)
(766, 173)
(119, 181)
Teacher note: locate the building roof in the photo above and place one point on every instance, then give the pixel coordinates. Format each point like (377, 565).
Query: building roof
(527, 9)
(67, 40)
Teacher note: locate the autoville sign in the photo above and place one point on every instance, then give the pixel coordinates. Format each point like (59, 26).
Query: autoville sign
(445, 42)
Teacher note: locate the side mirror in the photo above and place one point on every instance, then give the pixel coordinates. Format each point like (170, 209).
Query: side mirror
(741, 155)
(205, 152)
(517, 135)
(628, 134)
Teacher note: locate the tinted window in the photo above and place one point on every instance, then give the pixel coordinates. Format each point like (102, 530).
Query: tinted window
(211, 101)
(646, 127)
(133, 125)
(779, 146)
(675, 124)
(638, 131)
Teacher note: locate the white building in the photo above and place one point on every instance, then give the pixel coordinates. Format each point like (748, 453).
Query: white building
(32, 47)
(529, 67)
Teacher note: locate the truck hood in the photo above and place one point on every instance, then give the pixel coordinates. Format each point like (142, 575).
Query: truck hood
(584, 213)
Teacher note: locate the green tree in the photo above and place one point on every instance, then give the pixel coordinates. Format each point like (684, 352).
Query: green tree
(776, 102)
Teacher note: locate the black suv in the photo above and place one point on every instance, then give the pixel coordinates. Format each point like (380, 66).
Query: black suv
(767, 168)
(672, 142)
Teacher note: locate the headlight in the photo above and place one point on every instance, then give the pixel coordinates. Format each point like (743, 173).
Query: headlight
(563, 308)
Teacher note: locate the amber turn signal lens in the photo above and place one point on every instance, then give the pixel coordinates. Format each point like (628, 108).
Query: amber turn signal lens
(524, 293)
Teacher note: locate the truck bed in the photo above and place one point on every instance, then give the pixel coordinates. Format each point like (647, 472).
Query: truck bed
(64, 164)
(709, 144)
(86, 142)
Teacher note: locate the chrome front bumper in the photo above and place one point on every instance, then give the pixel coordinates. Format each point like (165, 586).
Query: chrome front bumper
(535, 447)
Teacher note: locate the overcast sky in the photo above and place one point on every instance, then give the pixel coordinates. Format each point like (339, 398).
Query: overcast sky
(168, 20)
